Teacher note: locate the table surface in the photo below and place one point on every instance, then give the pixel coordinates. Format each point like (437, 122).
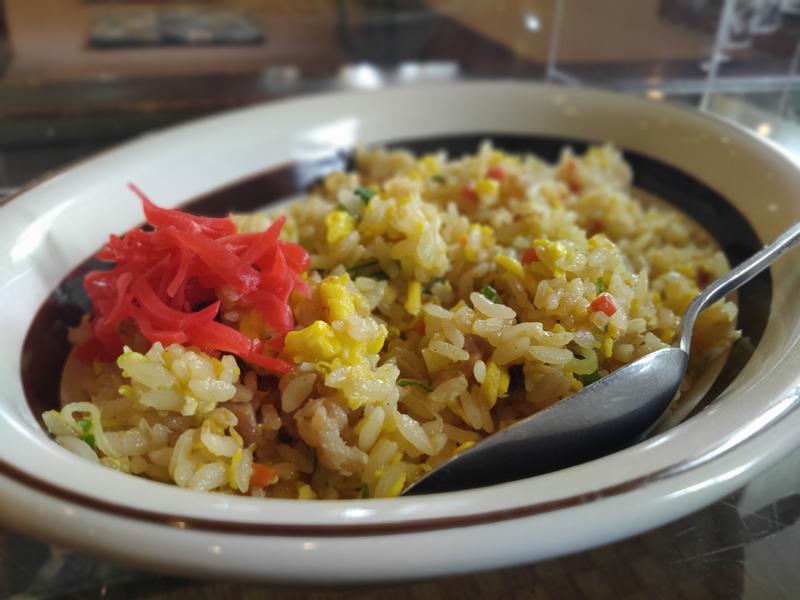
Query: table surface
(744, 546)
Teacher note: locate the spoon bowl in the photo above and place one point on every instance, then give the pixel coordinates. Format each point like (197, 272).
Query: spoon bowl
(601, 418)
(609, 413)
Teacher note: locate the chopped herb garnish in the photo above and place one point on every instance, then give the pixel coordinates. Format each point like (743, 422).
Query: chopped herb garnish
(588, 379)
(365, 194)
(414, 383)
(361, 266)
(364, 490)
(490, 293)
(438, 178)
(364, 270)
(89, 439)
(86, 427)
(601, 287)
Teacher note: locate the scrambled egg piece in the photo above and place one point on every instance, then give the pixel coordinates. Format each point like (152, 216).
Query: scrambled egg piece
(495, 383)
(339, 224)
(340, 301)
(348, 334)
(413, 302)
(317, 342)
(511, 265)
(487, 188)
(550, 254)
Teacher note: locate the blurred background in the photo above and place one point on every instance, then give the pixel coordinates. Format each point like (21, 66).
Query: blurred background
(79, 75)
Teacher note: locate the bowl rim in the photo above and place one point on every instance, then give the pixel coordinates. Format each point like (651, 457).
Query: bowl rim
(387, 524)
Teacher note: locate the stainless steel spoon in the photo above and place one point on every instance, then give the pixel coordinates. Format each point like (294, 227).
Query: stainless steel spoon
(601, 418)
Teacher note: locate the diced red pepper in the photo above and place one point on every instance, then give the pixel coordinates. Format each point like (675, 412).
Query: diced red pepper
(470, 195)
(603, 303)
(529, 256)
(496, 172)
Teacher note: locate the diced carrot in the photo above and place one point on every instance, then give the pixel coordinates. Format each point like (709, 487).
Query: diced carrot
(497, 173)
(604, 303)
(470, 195)
(529, 256)
(263, 475)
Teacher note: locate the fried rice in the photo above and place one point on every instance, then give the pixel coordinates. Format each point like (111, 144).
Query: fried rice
(447, 299)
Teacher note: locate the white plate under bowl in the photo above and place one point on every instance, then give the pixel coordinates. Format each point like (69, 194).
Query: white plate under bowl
(49, 229)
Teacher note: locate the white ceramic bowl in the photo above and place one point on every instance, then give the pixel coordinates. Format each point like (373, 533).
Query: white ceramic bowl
(52, 227)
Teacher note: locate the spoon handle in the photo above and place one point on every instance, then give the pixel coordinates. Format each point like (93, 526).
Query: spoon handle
(734, 279)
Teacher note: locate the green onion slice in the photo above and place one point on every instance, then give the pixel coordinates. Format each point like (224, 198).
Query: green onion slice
(490, 293)
(601, 287)
(414, 383)
(365, 194)
(588, 379)
(89, 439)
(361, 266)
